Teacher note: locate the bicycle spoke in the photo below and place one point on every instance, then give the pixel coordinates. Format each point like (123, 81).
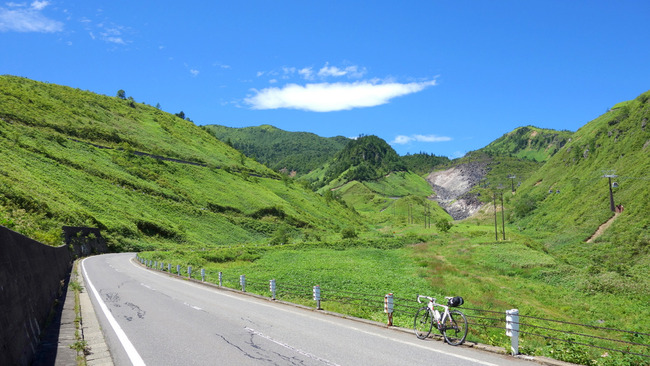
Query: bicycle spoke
(422, 324)
(455, 328)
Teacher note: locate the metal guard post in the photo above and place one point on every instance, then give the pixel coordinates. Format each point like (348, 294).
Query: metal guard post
(388, 308)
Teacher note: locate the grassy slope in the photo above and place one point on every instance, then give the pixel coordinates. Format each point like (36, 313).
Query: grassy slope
(619, 261)
(530, 143)
(278, 149)
(47, 179)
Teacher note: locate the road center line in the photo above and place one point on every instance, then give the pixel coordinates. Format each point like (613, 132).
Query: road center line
(133, 354)
(327, 362)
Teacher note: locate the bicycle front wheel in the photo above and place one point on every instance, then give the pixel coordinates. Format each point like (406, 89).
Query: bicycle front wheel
(423, 323)
(455, 328)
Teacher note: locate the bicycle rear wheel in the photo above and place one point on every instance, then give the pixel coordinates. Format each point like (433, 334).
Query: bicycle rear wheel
(423, 323)
(455, 328)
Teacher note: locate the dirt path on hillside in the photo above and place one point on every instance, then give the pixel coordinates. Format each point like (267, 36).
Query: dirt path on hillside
(603, 227)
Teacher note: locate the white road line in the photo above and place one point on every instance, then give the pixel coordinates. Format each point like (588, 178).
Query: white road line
(133, 354)
(327, 362)
(192, 306)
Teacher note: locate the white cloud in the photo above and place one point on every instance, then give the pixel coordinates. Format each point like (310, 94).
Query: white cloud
(403, 139)
(327, 70)
(328, 97)
(288, 71)
(40, 5)
(194, 72)
(306, 73)
(22, 19)
(353, 71)
(116, 40)
(112, 33)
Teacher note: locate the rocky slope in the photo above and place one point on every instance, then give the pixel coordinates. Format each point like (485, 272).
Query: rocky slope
(452, 188)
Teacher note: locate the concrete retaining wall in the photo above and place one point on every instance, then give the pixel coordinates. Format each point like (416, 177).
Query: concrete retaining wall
(30, 279)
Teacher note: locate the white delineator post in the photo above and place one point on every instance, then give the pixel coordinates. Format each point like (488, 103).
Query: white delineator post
(242, 282)
(512, 329)
(388, 308)
(317, 296)
(272, 289)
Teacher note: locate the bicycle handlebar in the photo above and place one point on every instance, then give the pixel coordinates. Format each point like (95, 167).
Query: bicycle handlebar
(426, 297)
(433, 299)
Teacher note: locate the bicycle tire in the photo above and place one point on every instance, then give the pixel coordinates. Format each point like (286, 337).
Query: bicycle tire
(423, 323)
(455, 328)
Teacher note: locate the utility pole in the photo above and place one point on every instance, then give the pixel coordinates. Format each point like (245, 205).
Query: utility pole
(494, 199)
(503, 218)
(611, 194)
(512, 180)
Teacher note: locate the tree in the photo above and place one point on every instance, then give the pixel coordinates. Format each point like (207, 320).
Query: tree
(121, 94)
(180, 115)
(157, 105)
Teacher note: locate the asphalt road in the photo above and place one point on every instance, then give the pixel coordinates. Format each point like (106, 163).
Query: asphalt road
(155, 319)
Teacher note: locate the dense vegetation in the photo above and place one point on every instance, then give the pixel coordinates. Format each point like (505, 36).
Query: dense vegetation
(71, 157)
(365, 158)
(76, 158)
(300, 152)
(423, 163)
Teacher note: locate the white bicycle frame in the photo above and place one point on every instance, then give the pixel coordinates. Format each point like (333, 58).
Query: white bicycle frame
(432, 304)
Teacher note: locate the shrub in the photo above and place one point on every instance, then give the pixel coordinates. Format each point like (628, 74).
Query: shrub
(349, 233)
(444, 225)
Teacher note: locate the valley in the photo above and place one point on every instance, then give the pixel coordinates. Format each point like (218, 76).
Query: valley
(361, 220)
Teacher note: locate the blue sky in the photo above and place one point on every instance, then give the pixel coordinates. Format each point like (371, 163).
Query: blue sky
(442, 77)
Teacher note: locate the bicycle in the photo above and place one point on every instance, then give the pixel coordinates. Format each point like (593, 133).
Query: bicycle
(451, 324)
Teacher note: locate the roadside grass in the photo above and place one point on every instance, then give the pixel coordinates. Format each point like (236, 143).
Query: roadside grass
(489, 275)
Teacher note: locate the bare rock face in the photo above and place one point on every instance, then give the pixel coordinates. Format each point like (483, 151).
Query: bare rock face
(452, 188)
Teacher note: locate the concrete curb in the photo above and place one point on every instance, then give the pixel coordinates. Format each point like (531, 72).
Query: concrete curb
(484, 347)
(99, 354)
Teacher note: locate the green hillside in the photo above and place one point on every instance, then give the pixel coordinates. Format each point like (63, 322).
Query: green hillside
(423, 163)
(294, 151)
(566, 200)
(72, 157)
(369, 176)
(366, 158)
(529, 142)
